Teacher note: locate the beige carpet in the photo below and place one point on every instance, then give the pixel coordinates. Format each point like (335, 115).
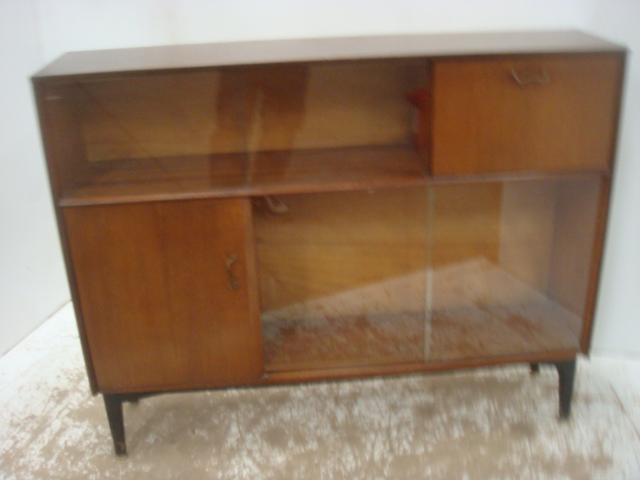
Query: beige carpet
(494, 423)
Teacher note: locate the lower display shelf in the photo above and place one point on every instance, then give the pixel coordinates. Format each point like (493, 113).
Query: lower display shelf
(326, 342)
(476, 310)
(532, 327)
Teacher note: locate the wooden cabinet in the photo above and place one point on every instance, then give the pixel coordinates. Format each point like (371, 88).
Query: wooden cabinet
(275, 212)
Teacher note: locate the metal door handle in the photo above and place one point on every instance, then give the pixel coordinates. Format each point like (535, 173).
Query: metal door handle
(540, 77)
(232, 281)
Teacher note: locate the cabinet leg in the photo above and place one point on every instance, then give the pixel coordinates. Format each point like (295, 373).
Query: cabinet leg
(535, 368)
(566, 374)
(113, 405)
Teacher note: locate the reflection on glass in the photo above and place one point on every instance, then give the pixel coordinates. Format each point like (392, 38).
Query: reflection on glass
(251, 109)
(451, 272)
(511, 267)
(342, 277)
(242, 126)
(160, 116)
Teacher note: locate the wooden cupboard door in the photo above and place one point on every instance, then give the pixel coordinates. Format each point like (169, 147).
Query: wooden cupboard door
(167, 293)
(538, 113)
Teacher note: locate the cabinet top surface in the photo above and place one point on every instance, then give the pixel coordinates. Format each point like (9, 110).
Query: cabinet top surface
(178, 57)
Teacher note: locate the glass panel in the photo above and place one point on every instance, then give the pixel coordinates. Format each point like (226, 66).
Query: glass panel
(155, 116)
(342, 278)
(511, 267)
(436, 274)
(334, 105)
(339, 124)
(242, 127)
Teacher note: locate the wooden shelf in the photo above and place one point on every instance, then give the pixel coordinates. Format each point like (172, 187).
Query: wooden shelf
(537, 326)
(331, 342)
(123, 181)
(334, 342)
(516, 320)
(263, 173)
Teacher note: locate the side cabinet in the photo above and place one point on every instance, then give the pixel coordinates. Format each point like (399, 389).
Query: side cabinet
(278, 212)
(167, 287)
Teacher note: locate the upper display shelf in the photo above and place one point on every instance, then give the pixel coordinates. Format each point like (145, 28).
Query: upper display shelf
(276, 117)
(179, 57)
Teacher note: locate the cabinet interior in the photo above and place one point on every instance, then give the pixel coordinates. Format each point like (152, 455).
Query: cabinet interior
(250, 127)
(424, 274)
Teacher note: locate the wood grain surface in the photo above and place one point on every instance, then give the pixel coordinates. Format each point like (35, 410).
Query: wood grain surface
(153, 289)
(561, 117)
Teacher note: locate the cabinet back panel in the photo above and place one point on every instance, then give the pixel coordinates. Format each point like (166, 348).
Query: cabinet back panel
(328, 243)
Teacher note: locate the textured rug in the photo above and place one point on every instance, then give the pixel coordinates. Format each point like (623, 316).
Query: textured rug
(490, 423)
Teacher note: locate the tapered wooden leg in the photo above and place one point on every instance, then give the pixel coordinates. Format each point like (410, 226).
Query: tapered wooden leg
(566, 374)
(113, 405)
(535, 368)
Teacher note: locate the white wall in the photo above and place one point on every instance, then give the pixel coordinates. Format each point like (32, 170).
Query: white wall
(32, 284)
(64, 25)
(81, 24)
(617, 330)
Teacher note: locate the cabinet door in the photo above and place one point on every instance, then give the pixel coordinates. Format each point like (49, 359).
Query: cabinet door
(538, 113)
(167, 293)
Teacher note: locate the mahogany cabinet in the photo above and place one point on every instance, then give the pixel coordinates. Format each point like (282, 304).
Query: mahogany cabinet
(258, 213)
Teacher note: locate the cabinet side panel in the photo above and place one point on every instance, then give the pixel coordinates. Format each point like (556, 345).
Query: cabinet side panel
(153, 281)
(57, 152)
